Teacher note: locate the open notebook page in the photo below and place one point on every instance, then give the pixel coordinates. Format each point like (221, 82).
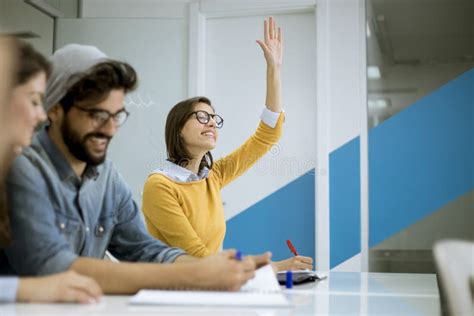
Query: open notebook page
(263, 290)
(264, 281)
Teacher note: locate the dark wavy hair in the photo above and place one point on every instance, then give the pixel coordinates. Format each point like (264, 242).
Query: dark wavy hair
(5, 234)
(175, 121)
(95, 85)
(29, 63)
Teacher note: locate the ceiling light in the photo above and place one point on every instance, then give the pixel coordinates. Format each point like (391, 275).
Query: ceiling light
(378, 104)
(373, 72)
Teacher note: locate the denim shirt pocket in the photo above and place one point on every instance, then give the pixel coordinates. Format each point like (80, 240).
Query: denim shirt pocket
(70, 228)
(103, 233)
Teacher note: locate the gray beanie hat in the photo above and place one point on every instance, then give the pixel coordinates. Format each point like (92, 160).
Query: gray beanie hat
(71, 60)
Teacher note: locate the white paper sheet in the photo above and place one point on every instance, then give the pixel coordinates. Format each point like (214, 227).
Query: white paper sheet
(263, 290)
(264, 281)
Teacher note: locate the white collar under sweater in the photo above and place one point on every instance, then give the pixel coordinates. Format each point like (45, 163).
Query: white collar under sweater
(181, 174)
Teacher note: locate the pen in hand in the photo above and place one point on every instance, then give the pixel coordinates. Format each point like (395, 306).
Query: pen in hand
(304, 260)
(292, 248)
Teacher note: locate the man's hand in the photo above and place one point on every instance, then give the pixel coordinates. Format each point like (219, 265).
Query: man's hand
(223, 271)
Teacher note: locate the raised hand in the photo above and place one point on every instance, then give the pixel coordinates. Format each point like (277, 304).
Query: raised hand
(272, 44)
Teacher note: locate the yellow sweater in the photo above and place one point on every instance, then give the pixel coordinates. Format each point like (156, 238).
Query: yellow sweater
(190, 215)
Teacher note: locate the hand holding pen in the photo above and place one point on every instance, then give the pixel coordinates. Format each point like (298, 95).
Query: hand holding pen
(227, 270)
(292, 248)
(294, 263)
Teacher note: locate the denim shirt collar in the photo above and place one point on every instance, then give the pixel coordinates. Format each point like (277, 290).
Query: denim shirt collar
(60, 162)
(180, 174)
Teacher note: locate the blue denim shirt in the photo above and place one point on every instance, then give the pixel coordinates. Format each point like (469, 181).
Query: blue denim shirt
(56, 216)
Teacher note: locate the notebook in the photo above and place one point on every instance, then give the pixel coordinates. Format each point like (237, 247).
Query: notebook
(300, 276)
(261, 291)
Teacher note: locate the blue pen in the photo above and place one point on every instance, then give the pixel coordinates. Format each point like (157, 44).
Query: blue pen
(289, 279)
(238, 255)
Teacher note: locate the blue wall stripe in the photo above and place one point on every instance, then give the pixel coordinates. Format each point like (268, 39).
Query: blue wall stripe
(422, 158)
(344, 199)
(286, 214)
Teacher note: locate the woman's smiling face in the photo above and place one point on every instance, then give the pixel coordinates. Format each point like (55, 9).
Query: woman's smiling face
(198, 137)
(26, 108)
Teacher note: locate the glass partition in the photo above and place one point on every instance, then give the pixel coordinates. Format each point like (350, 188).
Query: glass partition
(421, 127)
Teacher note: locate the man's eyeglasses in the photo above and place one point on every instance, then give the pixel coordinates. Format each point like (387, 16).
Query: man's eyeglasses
(203, 117)
(101, 117)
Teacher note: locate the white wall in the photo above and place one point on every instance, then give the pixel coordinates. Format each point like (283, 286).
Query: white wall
(157, 49)
(235, 81)
(134, 8)
(17, 16)
(346, 52)
(67, 8)
(157, 45)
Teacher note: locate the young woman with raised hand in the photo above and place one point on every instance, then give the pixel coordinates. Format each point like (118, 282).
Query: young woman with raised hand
(182, 202)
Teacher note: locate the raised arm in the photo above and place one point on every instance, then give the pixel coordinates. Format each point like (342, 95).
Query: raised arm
(270, 129)
(272, 47)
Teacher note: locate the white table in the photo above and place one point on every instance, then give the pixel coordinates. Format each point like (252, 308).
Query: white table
(342, 293)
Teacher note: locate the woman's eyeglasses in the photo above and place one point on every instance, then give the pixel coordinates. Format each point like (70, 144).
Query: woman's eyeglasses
(203, 117)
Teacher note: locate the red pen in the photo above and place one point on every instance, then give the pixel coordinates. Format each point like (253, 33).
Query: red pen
(292, 248)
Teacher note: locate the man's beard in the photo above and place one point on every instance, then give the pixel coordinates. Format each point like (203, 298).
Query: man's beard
(77, 144)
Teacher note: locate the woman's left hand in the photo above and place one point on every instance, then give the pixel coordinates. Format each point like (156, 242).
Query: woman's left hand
(272, 44)
(295, 263)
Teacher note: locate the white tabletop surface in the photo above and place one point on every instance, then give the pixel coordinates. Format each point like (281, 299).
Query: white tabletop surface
(342, 293)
